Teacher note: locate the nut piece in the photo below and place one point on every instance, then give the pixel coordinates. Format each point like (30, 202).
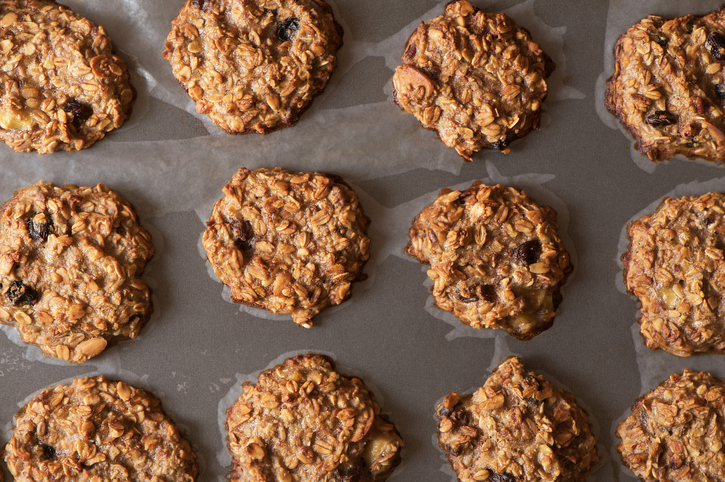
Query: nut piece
(303, 421)
(85, 431)
(517, 427)
(675, 432)
(253, 66)
(287, 242)
(495, 256)
(478, 79)
(70, 265)
(668, 86)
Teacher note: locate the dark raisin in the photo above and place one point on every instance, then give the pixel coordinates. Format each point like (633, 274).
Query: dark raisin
(661, 41)
(80, 112)
(466, 299)
(243, 235)
(347, 473)
(39, 229)
(715, 44)
(20, 294)
(432, 74)
(496, 477)
(500, 145)
(455, 451)
(268, 11)
(720, 91)
(48, 451)
(709, 220)
(462, 417)
(198, 4)
(660, 118)
(287, 28)
(534, 403)
(527, 253)
(121, 230)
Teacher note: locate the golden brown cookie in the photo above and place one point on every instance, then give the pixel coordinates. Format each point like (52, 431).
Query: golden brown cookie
(668, 87)
(96, 429)
(70, 265)
(674, 265)
(303, 421)
(496, 258)
(256, 65)
(517, 427)
(287, 242)
(476, 78)
(61, 87)
(676, 431)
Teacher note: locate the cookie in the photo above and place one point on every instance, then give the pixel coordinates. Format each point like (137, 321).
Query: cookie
(70, 265)
(668, 87)
(97, 429)
(253, 66)
(476, 78)
(675, 432)
(61, 86)
(517, 427)
(496, 258)
(303, 421)
(287, 242)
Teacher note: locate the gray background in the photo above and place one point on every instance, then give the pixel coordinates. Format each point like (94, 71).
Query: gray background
(171, 165)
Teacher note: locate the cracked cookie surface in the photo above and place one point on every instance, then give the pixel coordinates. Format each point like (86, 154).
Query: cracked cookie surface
(303, 421)
(674, 265)
(61, 87)
(97, 429)
(70, 265)
(517, 427)
(287, 242)
(253, 66)
(476, 78)
(496, 258)
(668, 86)
(675, 432)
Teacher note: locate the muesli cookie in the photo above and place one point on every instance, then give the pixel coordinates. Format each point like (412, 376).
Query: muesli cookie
(675, 432)
(674, 265)
(61, 86)
(97, 429)
(303, 421)
(668, 86)
(496, 258)
(476, 78)
(287, 242)
(517, 427)
(70, 265)
(253, 66)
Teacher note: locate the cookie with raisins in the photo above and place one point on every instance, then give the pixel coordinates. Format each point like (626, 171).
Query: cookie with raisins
(70, 265)
(496, 258)
(253, 66)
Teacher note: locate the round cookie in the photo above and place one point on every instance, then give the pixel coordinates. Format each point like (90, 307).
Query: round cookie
(61, 87)
(478, 79)
(676, 431)
(70, 265)
(253, 66)
(496, 258)
(674, 265)
(517, 427)
(287, 242)
(97, 429)
(303, 421)
(668, 86)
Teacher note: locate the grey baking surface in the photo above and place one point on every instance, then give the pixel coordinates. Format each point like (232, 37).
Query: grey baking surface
(171, 164)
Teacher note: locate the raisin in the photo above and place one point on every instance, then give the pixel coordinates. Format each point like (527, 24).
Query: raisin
(21, 294)
(287, 28)
(504, 477)
(39, 229)
(720, 91)
(80, 112)
(48, 451)
(432, 74)
(243, 235)
(268, 11)
(527, 253)
(475, 293)
(715, 44)
(500, 145)
(347, 473)
(198, 3)
(534, 403)
(660, 118)
(661, 41)
(121, 230)
(709, 220)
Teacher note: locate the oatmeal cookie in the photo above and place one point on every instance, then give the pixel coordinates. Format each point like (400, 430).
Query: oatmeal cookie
(518, 426)
(253, 66)
(97, 429)
(287, 242)
(303, 421)
(668, 87)
(70, 265)
(674, 265)
(495, 256)
(476, 78)
(61, 87)
(676, 431)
